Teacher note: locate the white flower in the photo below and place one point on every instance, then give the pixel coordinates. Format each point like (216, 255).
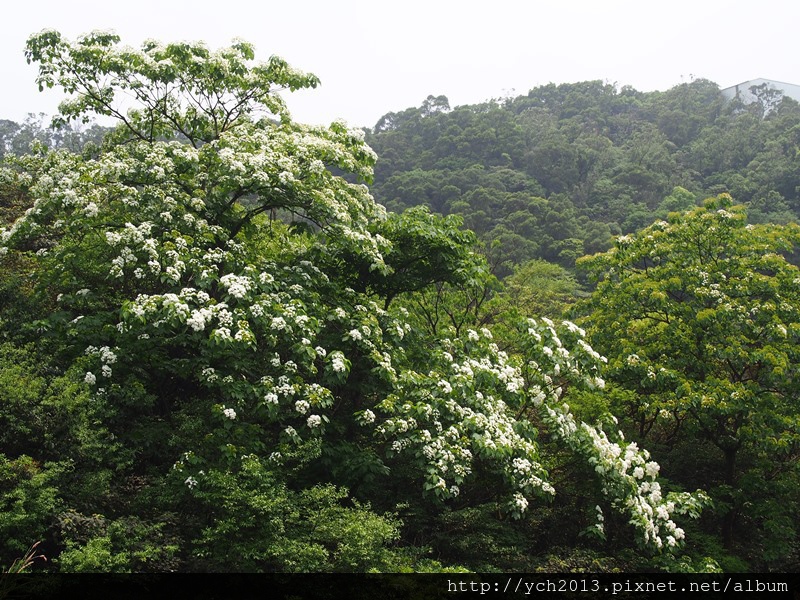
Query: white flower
(229, 413)
(302, 406)
(106, 371)
(190, 482)
(521, 465)
(538, 395)
(198, 319)
(271, 398)
(107, 356)
(90, 378)
(314, 421)
(574, 328)
(355, 335)
(223, 333)
(368, 416)
(337, 362)
(113, 238)
(236, 285)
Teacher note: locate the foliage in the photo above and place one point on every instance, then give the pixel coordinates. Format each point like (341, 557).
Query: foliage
(28, 499)
(555, 173)
(541, 288)
(231, 310)
(419, 250)
(262, 525)
(699, 317)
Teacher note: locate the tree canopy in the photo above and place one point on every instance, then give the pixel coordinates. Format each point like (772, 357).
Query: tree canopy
(213, 290)
(699, 316)
(556, 173)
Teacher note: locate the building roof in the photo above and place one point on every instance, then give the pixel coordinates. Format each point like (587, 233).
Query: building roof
(742, 90)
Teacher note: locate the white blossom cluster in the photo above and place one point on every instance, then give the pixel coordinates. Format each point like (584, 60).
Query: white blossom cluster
(627, 474)
(158, 230)
(106, 356)
(628, 480)
(237, 285)
(449, 420)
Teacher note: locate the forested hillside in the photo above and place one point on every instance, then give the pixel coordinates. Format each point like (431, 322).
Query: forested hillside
(563, 172)
(556, 173)
(218, 352)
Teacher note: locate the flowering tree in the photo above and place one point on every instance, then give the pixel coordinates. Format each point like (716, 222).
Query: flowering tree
(699, 316)
(227, 299)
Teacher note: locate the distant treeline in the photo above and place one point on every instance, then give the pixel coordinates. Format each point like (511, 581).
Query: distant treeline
(20, 138)
(556, 173)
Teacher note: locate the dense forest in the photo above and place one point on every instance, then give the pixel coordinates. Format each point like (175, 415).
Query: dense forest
(551, 333)
(555, 174)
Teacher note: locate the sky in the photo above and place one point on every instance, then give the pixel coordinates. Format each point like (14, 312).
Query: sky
(375, 56)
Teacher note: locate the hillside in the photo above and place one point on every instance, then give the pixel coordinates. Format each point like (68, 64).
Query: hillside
(219, 353)
(556, 173)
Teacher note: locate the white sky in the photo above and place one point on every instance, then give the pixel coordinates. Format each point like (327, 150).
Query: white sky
(377, 56)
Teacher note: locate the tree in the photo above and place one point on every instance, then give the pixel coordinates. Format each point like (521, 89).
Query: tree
(226, 299)
(680, 200)
(699, 319)
(541, 288)
(766, 97)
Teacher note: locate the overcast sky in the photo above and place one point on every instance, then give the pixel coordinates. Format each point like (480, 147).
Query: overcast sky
(375, 56)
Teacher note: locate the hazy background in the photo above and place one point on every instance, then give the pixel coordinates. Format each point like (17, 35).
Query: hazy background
(374, 57)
